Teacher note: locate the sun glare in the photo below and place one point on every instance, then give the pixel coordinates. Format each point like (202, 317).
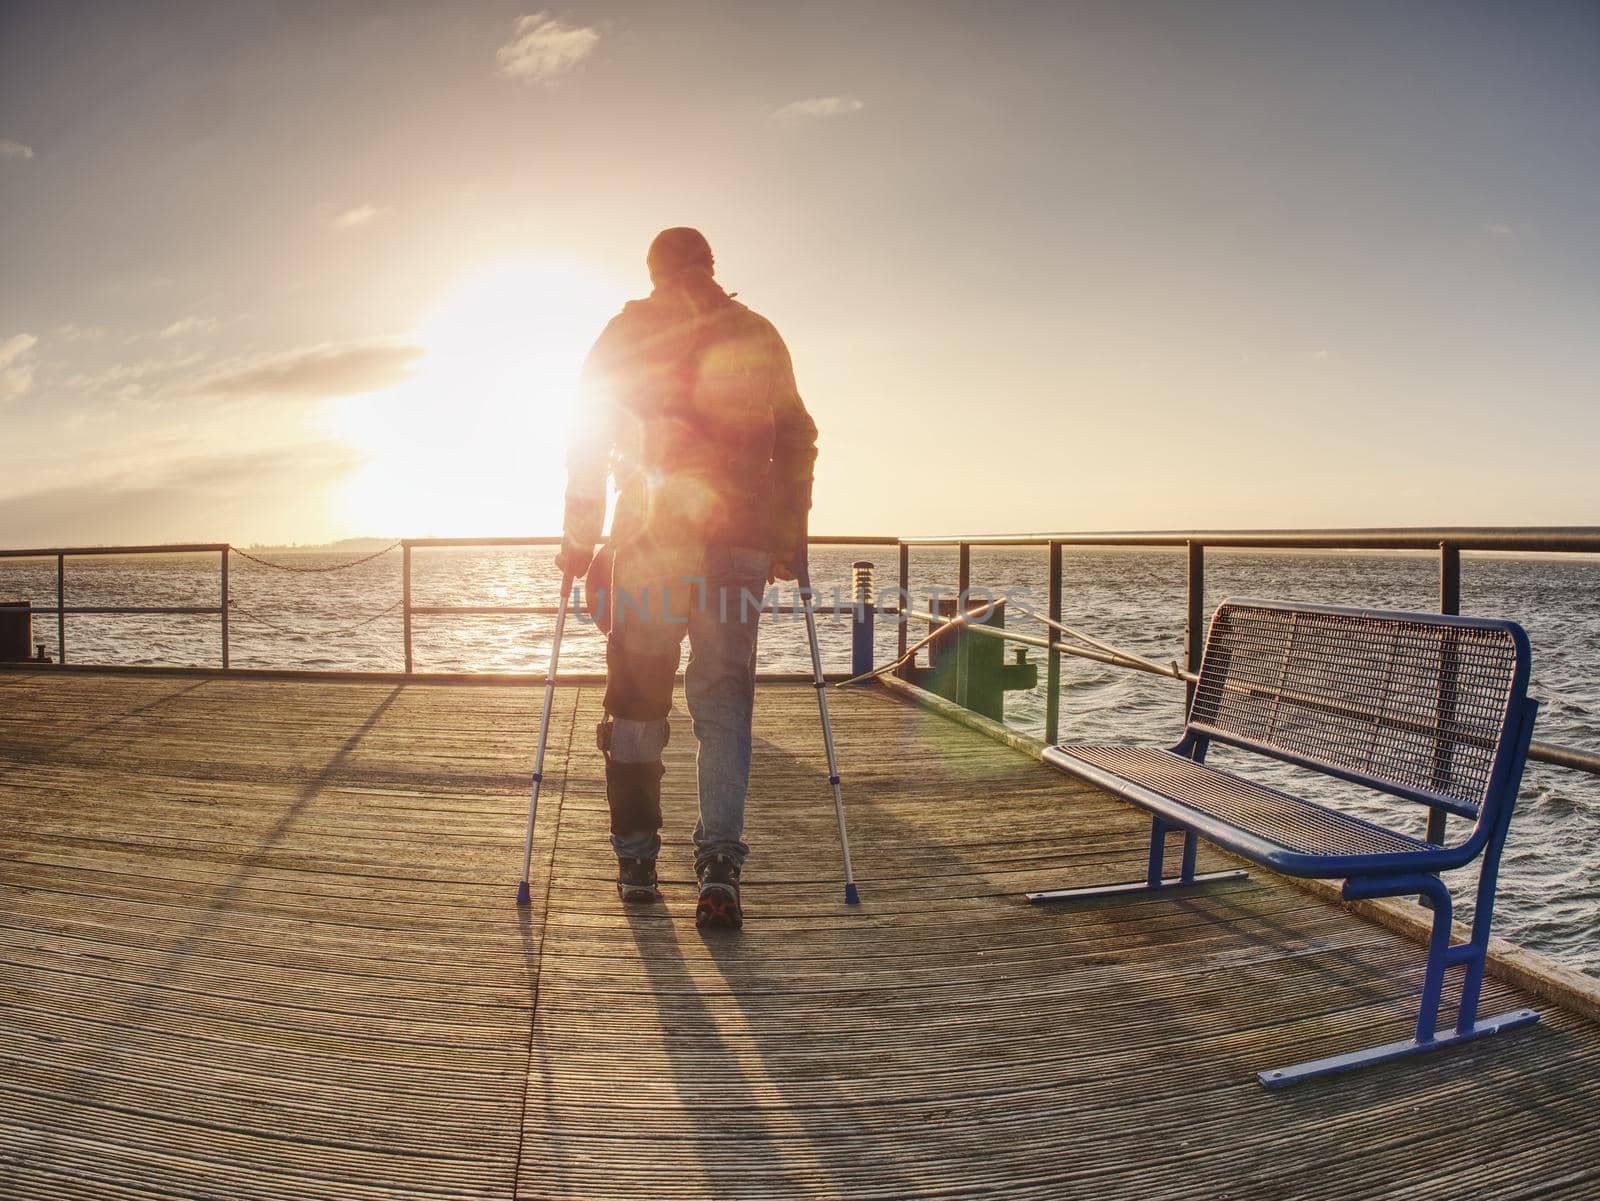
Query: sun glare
(474, 441)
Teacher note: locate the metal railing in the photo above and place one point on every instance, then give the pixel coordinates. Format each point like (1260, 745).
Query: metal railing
(1447, 542)
(62, 610)
(409, 610)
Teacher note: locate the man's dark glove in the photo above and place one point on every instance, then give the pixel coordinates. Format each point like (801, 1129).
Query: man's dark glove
(573, 559)
(788, 565)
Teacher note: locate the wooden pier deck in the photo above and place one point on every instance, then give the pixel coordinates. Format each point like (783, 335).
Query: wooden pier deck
(257, 941)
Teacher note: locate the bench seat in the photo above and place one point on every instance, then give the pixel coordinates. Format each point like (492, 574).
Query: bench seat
(1273, 828)
(1422, 708)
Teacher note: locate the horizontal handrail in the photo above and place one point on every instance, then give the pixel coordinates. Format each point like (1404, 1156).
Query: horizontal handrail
(485, 610)
(553, 610)
(1570, 757)
(191, 610)
(178, 548)
(1565, 539)
(555, 540)
(532, 540)
(1561, 539)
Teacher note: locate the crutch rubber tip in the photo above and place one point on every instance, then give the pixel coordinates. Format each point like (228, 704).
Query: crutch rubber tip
(523, 895)
(851, 896)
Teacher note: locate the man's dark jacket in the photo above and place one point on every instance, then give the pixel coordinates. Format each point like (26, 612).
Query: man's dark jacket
(689, 399)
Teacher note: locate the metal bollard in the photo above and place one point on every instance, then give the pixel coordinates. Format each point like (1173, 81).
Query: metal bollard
(862, 612)
(16, 630)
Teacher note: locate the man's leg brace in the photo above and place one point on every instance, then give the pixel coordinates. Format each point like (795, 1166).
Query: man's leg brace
(637, 701)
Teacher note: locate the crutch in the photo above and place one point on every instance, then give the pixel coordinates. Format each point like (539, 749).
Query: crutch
(851, 896)
(523, 895)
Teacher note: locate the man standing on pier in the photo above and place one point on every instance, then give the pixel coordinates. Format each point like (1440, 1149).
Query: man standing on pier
(689, 399)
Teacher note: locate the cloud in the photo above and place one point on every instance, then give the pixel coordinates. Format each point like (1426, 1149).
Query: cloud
(16, 366)
(143, 379)
(317, 372)
(11, 149)
(190, 325)
(362, 215)
(308, 373)
(818, 108)
(1509, 231)
(542, 48)
(158, 496)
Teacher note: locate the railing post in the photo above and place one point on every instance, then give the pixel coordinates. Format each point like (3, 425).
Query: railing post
(905, 599)
(1450, 579)
(1449, 604)
(861, 618)
(405, 598)
(1052, 671)
(1194, 630)
(61, 607)
(225, 608)
(963, 647)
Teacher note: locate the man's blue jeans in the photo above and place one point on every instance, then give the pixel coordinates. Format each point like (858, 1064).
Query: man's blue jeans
(714, 596)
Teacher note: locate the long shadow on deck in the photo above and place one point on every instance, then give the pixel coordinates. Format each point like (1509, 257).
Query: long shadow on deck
(713, 1063)
(29, 756)
(149, 997)
(533, 947)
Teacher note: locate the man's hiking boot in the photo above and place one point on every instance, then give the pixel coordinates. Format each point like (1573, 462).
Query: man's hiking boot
(636, 880)
(719, 895)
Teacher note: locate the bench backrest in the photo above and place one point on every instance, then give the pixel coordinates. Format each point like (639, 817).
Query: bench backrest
(1417, 705)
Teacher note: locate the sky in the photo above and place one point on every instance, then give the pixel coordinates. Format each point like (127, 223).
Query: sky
(288, 272)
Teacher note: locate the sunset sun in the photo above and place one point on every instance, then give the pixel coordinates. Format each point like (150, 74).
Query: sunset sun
(472, 441)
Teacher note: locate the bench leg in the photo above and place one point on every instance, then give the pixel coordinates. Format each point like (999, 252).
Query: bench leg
(1153, 880)
(1441, 955)
(1281, 1077)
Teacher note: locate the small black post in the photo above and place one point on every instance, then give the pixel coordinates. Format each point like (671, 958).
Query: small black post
(904, 600)
(225, 551)
(1450, 604)
(861, 617)
(405, 598)
(61, 606)
(1052, 673)
(1194, 631)
(1450, 579)
(963, 643)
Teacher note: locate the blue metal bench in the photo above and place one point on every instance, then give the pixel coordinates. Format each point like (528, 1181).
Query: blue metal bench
(1426, 708)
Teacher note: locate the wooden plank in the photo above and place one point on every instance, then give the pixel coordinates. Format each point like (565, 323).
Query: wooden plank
(256, 940)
